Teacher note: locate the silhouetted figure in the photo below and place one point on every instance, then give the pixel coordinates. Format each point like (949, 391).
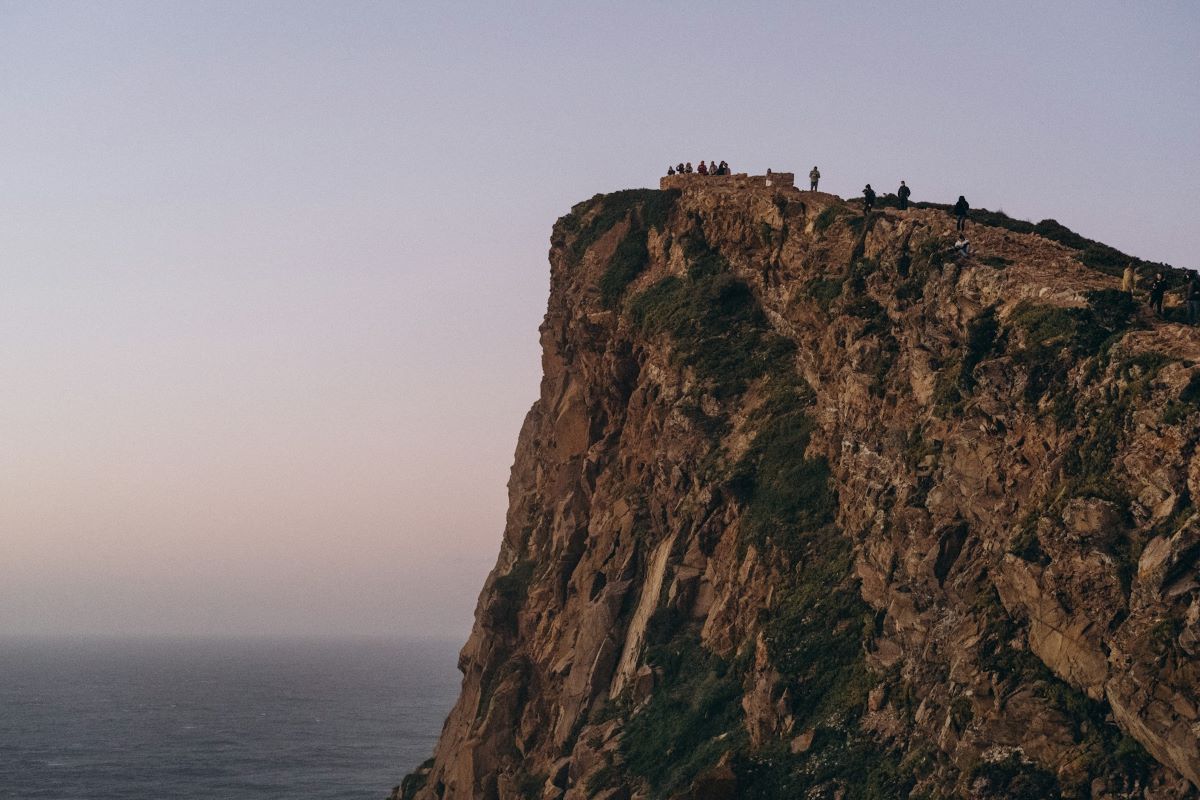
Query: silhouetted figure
(688, 168)
(903, 263)
(679, 168)
(1157, 289)
(868, 199)
(814, 177)
(903, 192)
(1192, 295)
(724, 168)
(1128, 279)
(670, 170)
(702, 170)
(960, 211)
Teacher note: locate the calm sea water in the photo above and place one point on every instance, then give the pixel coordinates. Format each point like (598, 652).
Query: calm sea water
(218, 719)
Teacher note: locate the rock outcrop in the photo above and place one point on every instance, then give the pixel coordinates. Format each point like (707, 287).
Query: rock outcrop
(809, 507)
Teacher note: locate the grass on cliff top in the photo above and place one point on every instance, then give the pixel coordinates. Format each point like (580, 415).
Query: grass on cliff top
(652, 207)
(716, 325)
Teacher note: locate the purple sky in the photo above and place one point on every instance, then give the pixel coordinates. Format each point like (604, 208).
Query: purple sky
(272, 272)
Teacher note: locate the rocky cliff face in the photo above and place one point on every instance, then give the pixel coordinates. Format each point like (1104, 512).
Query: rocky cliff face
(810, 508)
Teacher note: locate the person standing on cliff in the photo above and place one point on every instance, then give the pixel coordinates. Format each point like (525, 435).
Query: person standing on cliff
(960, 211)
(868, 199)
(1157, 290)
(813, 178)
(1128, 279)
(903, 192)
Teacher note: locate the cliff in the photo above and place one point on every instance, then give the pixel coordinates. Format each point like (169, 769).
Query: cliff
(809, 507)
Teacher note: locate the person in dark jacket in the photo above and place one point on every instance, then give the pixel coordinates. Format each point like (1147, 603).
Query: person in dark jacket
(679, 168)
(688, 168)
(903, 192)
(868, 199)
(670, 170)
(703, 170)
(1192, 294)
(960, 211)
(1157, 289)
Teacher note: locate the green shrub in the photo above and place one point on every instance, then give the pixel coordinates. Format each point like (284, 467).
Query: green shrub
(629, 259)
(655, 207)
(981, 341)
(716, 326)
(692, 718)
(784, 493)
(861, 768)
(824, 291)
(1027, 546)
(827, 217)
(1057, 338)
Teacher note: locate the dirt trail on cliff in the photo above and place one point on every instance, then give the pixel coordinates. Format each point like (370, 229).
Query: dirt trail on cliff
(788, 520)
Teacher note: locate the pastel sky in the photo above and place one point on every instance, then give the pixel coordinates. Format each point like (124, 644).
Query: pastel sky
(271, 272)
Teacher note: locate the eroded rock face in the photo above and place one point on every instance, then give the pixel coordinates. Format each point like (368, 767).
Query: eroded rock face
(796, 517)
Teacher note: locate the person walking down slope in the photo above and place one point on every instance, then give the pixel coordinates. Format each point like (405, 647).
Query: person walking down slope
(903, 192)
(960, 211)
(868, 199)
(1128, 279)
(813, 178)
(1192, 294)
(1157, 289)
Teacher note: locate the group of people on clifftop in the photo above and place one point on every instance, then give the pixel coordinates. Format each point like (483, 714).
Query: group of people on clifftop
(961, 208)
(711, 168)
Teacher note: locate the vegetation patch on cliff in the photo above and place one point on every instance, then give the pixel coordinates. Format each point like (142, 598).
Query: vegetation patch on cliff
(692, 718)
(716, 325)
(602, 212)
(785, 495)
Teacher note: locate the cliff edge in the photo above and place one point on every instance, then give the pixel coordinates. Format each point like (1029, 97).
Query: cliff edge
(811, 507)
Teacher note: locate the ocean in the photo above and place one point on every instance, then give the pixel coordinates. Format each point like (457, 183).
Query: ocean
(100, 719)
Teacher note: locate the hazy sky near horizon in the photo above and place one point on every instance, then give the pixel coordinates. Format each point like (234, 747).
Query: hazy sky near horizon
(272, 272)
